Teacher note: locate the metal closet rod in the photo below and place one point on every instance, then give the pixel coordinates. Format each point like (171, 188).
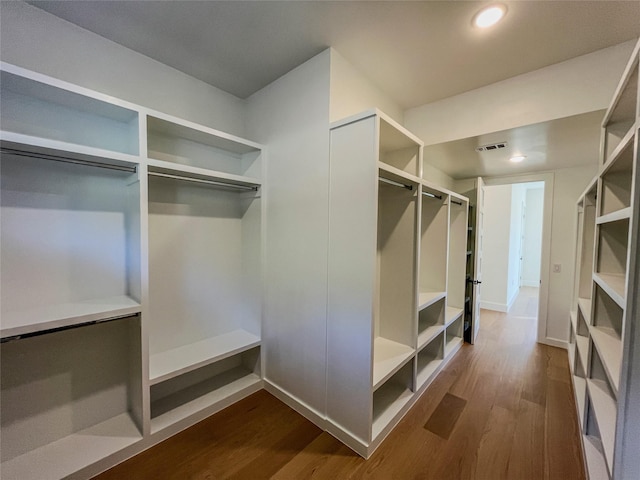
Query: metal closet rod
(394, 183)
(432, 195)
(60, 158)
(206, 182)
(457, 203)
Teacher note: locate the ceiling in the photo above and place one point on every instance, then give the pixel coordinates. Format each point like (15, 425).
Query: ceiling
(416, 52)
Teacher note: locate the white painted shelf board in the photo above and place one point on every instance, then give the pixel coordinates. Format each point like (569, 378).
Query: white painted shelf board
(580, 389)
(389, 402)
(571, 352)
(605, 410)
(452, 345)
(395, 174)
(170, 168)
(428, 334)
(167, 125)
(622, 145)
(426, 299)
(584, 304)
(233, 384)
(73, 151)
(67, 314)
(622, 214)
(582, 347)
(451, 314)
(174, 362)
(613, 285)
(74, 452)
(425, 374)
(596, 466)
(609, 347)
(388, 358)
(573, 316)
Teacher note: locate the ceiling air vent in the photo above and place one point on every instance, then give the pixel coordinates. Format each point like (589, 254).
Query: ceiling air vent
(491, 146)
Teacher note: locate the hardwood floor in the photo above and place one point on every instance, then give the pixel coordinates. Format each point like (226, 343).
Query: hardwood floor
(509, 415)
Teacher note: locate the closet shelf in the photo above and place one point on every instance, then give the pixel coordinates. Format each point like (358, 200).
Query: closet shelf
(426, 373)
(429, 298)
(390, 400)
(594, 456)
(389, 357)
(622, 214)
(580, 389)
(428, 334)
(582, 347)
(605, 411)
(37, 146)
(613, 285)
(174, 362)
(204, 398)
(609, 347)
(392, 173)
(452, 345)
(451, 314)
(620, 147)
(584, 304)
(573, 317)
(32, 321)
(196, 173)
(74, 452)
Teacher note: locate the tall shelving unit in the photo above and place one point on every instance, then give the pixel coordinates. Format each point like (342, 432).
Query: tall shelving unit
(396, 278)
(131, 246)
(599, 317)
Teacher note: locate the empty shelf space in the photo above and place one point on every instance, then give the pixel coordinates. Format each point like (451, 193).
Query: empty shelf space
(187, 172)
(622, 214)
(429, 360)
(604, 407)
(74, 452)
(390, 400)
(205, 397)
(613, 285)
(427, 298)
(582, 347)
(453, 343)
(584, 304)
(573, 318)
(67, 314)
(451, 314)
(594, 455)
(168, 364)
(609, 347)
(580, 390)
(389, 357)
(427, 335)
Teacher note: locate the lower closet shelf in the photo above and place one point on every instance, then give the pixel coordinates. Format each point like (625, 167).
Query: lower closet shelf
(389, 402)
(594, 456)
(69, 454)
(180, 360)
(605, 409)
(609, 347)
(389, 356)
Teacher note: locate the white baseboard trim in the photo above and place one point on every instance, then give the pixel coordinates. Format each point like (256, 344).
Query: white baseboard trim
(554, 342)
(295, 403)
(498, 307)
(512, 299)
(530, 283)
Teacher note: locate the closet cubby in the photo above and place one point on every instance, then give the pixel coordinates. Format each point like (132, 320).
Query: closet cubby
(204, 275)
(394, 322)
(611, 263)
(215, 385)
(580, 389)
(70, 243)
(616, 184)
(390, 399)
(430, 322)
(59, 115)
(179, 145)
(429, 359)
(606, 334)
(70, 398)
(453, 336)
(399, 148)
(622, 113)
(457, 258)
(593, 448)
(434, 240)
(586, 240)
(582, 327)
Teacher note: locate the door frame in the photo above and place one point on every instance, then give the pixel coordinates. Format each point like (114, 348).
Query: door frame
(545, 257)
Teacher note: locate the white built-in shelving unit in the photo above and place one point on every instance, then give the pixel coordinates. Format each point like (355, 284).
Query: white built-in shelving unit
(131, 246)
(396, 278)
(600, 318)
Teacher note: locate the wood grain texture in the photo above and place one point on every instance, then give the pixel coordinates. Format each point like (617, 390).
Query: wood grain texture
(518, 423)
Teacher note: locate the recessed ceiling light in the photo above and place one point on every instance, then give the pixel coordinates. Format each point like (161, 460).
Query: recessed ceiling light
(517, 158)
(489, 16)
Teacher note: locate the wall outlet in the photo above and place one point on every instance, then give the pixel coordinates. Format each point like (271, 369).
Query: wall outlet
(557, 268)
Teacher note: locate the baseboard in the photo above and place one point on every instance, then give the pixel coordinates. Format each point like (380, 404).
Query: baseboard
(512, 299)
(295, 403)
(530, 283)
(498, 307)
(554, 342)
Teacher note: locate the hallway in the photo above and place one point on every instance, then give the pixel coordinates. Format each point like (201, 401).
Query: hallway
(501, 409)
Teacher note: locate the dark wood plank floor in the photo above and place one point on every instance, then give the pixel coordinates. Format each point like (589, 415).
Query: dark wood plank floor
(510, 416)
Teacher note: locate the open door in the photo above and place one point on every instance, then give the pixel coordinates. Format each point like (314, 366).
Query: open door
(474, 257)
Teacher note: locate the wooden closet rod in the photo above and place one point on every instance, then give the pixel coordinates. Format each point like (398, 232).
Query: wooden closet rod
(59, 158)
(432, 195)
(394, 183)
(214, 183)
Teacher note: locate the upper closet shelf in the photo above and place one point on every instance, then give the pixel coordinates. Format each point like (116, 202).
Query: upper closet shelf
(174, 362)
(428, 298)
(185, 172)
(622, 214)
(395, 174)
(29, 322)
(613, 285)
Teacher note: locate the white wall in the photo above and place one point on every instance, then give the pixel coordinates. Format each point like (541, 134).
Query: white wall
(291, 116)
(39, 41)
(532, 237)
(495, 248)
(580, 85)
